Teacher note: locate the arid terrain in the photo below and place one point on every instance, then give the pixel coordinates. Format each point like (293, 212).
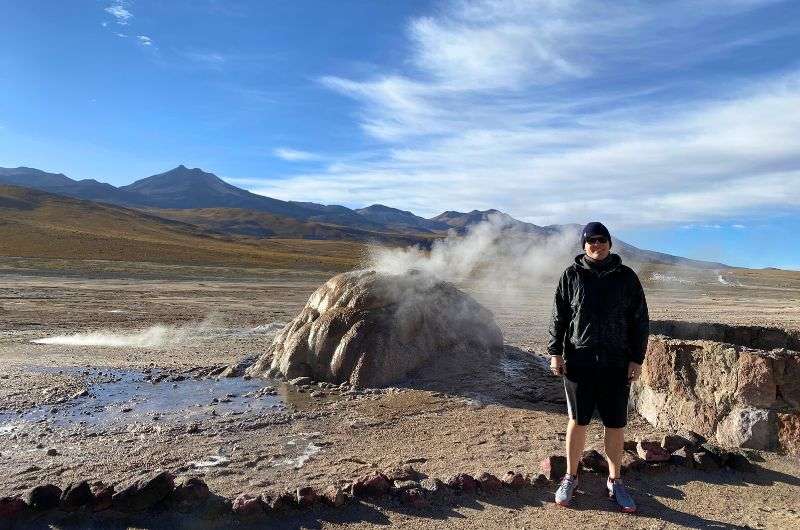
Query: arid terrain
(149, 402)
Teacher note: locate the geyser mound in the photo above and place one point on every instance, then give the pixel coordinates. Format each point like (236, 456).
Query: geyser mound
(372, 329)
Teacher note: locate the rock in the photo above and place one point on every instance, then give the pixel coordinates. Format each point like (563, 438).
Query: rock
(300, 381)
(592, 460)
(705, 461)
(402, 485)
(789, 433)
(405, 472)
(747, 427)
(248, 506)
(553, 467)
(318, 394)
(306, 496)
(190, 491)
(283, 501)
(52, 452)
(539, 480)
(463, 482)
(629, 445)
(143, 493)
(673, 442)
(489, 483)
(415, 498)
(371, 485)
(632, 462)
(756, 384)
(12, 508)
(740, 462)
(235, 370)
(80, 394)
(432, 485)
(334, 496)
(44, 497)
(695, 439)
(719, 454)
(192, 428)
(651, 452)
(372, 329)
(77, 495)
(514, 480)
(682, 457)
(102, 494)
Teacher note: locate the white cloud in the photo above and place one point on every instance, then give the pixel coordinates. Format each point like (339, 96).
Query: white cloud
(144, 40)
(119, 12)
(494, 112)
(738, 226)
(294, 155)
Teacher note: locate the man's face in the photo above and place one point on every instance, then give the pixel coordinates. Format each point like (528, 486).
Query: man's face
(597, 247)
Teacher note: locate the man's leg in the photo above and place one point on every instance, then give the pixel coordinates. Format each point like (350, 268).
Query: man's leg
(576, 441)
(614, 445)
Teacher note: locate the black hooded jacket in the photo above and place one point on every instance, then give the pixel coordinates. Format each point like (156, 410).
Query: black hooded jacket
(599, 315)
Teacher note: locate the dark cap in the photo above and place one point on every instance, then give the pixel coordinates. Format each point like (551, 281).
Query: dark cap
(594, 229)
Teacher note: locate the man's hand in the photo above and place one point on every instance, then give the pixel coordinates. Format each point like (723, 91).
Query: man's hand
(634, 371)
(557, 364)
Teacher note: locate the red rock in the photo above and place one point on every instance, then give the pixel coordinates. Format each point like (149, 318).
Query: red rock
(415, 498)
(44, 497)
(306, 496)
(789, 433)
(248, 505)
(631, 462)
(102, 494)
(334, 496)
(11, 508)
(488, 482)
(77, 495)
(673, 442)
(651, 452)
(592, 460)
(371, 485)
(463, 482)
(514, 480)
(554, 467)
(756, 380)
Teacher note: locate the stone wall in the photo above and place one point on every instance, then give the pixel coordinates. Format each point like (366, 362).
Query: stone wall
(740, 385)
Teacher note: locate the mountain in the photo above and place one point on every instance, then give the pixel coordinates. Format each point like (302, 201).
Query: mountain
(399, 219)
(38, 224)
(59, 183)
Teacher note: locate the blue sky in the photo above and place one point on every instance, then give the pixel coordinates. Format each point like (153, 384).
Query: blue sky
(676, 122)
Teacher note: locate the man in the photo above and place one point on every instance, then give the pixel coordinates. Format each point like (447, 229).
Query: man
(598, 337)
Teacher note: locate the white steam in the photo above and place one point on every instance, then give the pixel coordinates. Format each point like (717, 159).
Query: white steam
(498, 253)
(158, 336)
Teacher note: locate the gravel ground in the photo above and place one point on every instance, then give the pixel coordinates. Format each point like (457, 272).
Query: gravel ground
(500, 419)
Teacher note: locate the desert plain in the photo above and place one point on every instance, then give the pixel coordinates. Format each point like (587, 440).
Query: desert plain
(130, 387)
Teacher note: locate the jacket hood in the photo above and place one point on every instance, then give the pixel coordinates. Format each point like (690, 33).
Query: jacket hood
(614, 262)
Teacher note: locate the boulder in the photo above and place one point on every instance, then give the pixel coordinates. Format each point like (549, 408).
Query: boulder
(306, 496)
(489, 483)
(11, 508)
(554, 467)
(371, 485)
(747, 427)
(44, 497)
(145, 492)
(682, 457)
(334, 496)
(673, 442)
(76, 495)
(789, 433)
(248, 506)
(632, 462)
(190, 491)
(704, 461)
(102, 494)
(283, 501)
(651, 452)
(415, 498)
(514, 480)
(373, 329)
(463, 482)
(432, 485)
(592, 460)
(404, 472)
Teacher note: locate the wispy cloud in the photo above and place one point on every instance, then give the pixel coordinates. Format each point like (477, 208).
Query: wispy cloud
(119, 11)
(294, 155)
(518, 105)
(144, 40)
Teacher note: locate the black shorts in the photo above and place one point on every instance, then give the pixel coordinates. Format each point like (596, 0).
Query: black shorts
(603, 388)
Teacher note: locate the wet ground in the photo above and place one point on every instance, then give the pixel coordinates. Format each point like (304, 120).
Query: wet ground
(131, 385)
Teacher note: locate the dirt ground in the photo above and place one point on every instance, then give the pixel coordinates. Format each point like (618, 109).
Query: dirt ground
(508, 418)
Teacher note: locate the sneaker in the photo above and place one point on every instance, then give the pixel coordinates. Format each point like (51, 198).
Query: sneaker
(566, 489)
(617, 491)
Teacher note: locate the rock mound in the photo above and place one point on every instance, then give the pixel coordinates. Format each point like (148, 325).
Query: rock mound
(373, 329)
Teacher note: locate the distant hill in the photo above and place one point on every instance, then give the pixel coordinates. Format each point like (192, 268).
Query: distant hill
(204, 200)
(34, 223)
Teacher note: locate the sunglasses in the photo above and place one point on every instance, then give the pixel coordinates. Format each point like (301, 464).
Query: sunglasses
(599, 240)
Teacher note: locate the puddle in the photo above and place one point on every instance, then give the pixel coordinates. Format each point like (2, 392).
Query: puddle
(124, 397)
